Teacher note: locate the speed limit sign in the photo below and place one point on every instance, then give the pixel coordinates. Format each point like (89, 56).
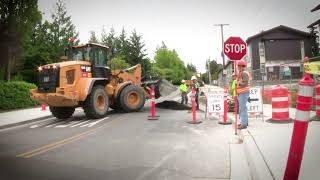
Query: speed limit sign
(215, 103)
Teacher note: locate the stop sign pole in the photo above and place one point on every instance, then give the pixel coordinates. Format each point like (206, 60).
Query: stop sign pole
(225, 120)
(235, 49)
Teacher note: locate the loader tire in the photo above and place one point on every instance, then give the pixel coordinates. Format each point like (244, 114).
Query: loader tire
(62, 112)
(97, 103)
(132, 98)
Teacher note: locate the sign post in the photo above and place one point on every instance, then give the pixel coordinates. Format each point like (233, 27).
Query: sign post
(235, 49)
(254, 104)
(215, 102)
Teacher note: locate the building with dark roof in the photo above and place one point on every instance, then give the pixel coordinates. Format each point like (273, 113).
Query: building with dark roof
(277, 54)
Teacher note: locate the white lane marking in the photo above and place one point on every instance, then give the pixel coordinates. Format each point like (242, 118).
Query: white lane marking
(67, 124)
(34, 126)
(81, 122)
(94, 123)
(54, 124)
(45, 121)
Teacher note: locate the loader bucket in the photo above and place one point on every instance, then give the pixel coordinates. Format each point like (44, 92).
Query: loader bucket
(164, 88)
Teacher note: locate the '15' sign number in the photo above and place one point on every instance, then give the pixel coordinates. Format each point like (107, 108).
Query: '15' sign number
(216, 107)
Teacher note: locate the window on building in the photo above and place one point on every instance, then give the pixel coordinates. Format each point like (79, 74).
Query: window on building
(282, 50)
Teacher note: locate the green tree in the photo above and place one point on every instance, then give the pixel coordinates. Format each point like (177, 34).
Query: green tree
(17, 21)
(61, 30)
(109, 39)
(122, 45)
(314, 42)
(137, 53)
(119, 63)
(48, 41)
(191, 67)
(93, 38)
(214, 69)
(168, 65)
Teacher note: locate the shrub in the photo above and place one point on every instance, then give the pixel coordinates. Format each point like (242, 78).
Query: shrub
(293, 98)
(16, 94)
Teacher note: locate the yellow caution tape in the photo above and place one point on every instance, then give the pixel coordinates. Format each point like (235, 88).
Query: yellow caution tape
(312, 67)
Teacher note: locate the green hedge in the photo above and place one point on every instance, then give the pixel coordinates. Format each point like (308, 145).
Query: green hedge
(16, 94)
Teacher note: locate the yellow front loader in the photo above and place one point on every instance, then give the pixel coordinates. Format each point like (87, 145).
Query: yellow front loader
(82, 79)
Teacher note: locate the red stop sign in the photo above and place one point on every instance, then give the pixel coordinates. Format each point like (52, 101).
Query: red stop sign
(235, 48)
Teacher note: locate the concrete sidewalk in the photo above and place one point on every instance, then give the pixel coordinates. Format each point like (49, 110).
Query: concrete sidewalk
(267, 144)
(24, 116)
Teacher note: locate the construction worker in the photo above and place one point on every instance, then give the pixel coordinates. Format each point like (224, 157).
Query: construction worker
(243, 85)
(233, 89)
(234, 84)
(196, 86)
(184, 90)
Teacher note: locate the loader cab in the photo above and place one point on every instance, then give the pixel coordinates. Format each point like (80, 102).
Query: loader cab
(95, 53)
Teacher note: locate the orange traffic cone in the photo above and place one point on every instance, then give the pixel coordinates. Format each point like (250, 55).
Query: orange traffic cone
(43, 107)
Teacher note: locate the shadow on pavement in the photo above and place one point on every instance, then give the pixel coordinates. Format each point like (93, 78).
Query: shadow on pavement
(174, 105)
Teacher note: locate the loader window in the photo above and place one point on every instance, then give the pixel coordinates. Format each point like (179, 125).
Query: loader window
(78, 54)
(99, 57)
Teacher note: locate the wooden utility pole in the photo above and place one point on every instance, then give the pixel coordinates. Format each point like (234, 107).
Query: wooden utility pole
(209, 71)
(222, 54)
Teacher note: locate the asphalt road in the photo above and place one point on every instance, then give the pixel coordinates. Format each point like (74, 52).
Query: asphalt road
(119, 146)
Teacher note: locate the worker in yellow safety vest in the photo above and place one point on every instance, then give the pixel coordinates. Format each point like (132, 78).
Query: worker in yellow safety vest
(243, 85)
(234, 84)
(233, 89)
(184, 90)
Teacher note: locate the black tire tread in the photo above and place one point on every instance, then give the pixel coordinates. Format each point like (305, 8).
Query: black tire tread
(88, 106)
(124, 106)
(62, 112)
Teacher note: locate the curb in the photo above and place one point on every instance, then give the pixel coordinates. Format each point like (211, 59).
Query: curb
(25, 122)
(256, 162)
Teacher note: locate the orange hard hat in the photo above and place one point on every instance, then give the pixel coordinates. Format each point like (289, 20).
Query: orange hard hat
(242, 63)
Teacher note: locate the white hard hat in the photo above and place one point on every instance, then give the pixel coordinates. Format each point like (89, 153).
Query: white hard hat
(193, 78)
(183, 81)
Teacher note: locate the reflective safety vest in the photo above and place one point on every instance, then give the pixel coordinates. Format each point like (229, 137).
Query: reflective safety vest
(183, 88)
(233, 87)
(246, 88)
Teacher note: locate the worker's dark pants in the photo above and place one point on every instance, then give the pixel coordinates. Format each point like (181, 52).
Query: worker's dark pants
(197, 100)
(184, 98)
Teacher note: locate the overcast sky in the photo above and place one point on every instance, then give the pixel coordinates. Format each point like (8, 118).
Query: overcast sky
(186, 25)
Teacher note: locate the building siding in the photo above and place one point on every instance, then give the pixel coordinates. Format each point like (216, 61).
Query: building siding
(279, 45)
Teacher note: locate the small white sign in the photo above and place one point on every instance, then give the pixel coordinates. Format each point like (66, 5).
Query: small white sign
(215, 102)
(224, 72)
(254, 103)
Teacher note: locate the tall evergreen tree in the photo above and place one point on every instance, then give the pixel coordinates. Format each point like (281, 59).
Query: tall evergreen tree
(93, 38)
(138, 52)
(61, 30)
(49, 39)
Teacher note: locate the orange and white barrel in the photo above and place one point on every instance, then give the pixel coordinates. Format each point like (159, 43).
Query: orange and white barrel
(280, 103)
(300, 128)
(318, 101)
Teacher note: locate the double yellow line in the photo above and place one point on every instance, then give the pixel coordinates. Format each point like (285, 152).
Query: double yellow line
(60, 143)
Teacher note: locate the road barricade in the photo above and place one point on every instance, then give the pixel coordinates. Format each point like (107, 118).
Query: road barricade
(43, 107)
(193, 108)
(300, 128)
(280, 103)
(317, 100)
(153, 115)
